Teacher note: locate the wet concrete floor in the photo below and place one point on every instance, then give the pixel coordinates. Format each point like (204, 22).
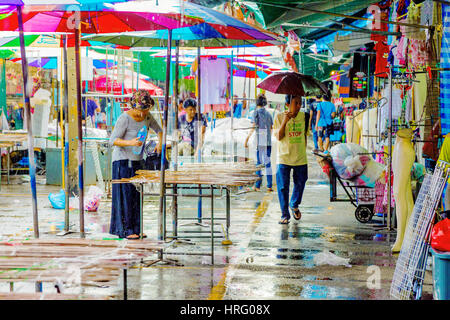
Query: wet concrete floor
(266, 260)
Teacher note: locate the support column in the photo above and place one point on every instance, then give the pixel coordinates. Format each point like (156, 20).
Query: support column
(72, 122)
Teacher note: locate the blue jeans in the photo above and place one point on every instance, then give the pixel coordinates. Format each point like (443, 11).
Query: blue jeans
(300, 175)
(315, 138)
(263, 157)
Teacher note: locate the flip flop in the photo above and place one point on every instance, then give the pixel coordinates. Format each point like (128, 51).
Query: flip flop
(133, 238)
(284, 221)
(137, 237)
(296, 213)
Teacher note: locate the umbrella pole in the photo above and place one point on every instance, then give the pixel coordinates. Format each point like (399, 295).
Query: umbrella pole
(256, 78)
(232, 102)
(66, 141)
(80, 131)
(107, 67)
(175, 139)
(32, 165)
(199, 132)
(162, 191)
(138, 70)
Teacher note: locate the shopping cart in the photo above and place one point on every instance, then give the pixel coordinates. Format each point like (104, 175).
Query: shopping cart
(362, 197)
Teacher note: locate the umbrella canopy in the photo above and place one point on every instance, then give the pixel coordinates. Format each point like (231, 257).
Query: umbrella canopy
(198, 23)
(116, 86)
(94, 18)
(39, 41)
(250, 74)
(103, 64)
(45, 63)
(293, 83)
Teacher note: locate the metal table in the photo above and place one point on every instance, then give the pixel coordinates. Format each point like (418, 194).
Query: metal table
(220, 181)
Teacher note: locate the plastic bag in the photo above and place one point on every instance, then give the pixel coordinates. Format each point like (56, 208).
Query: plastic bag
(349, 159)
(326, 257)
(58, 200)
(371, 173)
(440, 235)
(93, 197)
(91, 200)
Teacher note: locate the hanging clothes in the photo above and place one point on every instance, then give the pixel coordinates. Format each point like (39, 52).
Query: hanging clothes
(381, 26)
(381, 69)
(214, 80)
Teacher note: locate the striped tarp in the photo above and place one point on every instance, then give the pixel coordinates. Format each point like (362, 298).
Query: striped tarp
(445, 76)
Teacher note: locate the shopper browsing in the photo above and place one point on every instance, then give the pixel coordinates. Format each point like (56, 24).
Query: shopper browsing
(290, 129)
(324, 122)
(262, 120)
(313, 116)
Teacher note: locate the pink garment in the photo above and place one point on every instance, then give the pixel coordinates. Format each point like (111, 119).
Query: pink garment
(401, 50)
(216, 107)
(379, 196)
(417, 53)
(385, 197)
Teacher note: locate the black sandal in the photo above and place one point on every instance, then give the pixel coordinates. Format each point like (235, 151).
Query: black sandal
(284, 221)
(296, 213)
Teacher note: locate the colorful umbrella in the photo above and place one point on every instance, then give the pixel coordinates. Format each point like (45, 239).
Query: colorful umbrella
(250, 74)
(102, 64)
(200, 27)
(116, 86)
(293, 83)
(45, 63)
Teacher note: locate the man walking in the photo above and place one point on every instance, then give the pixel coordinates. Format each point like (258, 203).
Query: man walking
(290, 129)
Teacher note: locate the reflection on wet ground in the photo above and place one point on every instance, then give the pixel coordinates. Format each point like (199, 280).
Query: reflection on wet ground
(265, 260)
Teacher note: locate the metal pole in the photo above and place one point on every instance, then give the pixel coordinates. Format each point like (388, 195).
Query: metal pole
(138, 70)
(65, 137)
(175, 140)
(389, 152)
(232, 104)
(26, 97)
(107, 67)
(80, 131)
(141, 211)
(256, 77)
(212, 224)
(164, 137)
(199, 133)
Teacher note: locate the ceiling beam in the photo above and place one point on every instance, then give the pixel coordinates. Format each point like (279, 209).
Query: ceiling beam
(292, 15)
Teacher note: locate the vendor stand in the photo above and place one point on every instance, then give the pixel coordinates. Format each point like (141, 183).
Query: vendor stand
(212, 176)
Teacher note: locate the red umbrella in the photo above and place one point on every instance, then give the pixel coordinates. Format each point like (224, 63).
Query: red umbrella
(293, 83)
(116, 86)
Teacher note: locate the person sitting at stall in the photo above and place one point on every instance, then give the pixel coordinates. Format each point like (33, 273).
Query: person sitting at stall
(239, 107)
(89, 110)
(125, 209)
(290, 129)
(262, 120)
(188, 129)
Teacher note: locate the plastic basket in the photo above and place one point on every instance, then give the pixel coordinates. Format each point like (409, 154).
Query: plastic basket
(441, 275)
(365, 195)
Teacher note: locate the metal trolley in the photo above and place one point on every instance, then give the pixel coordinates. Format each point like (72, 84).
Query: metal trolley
(362, 197)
